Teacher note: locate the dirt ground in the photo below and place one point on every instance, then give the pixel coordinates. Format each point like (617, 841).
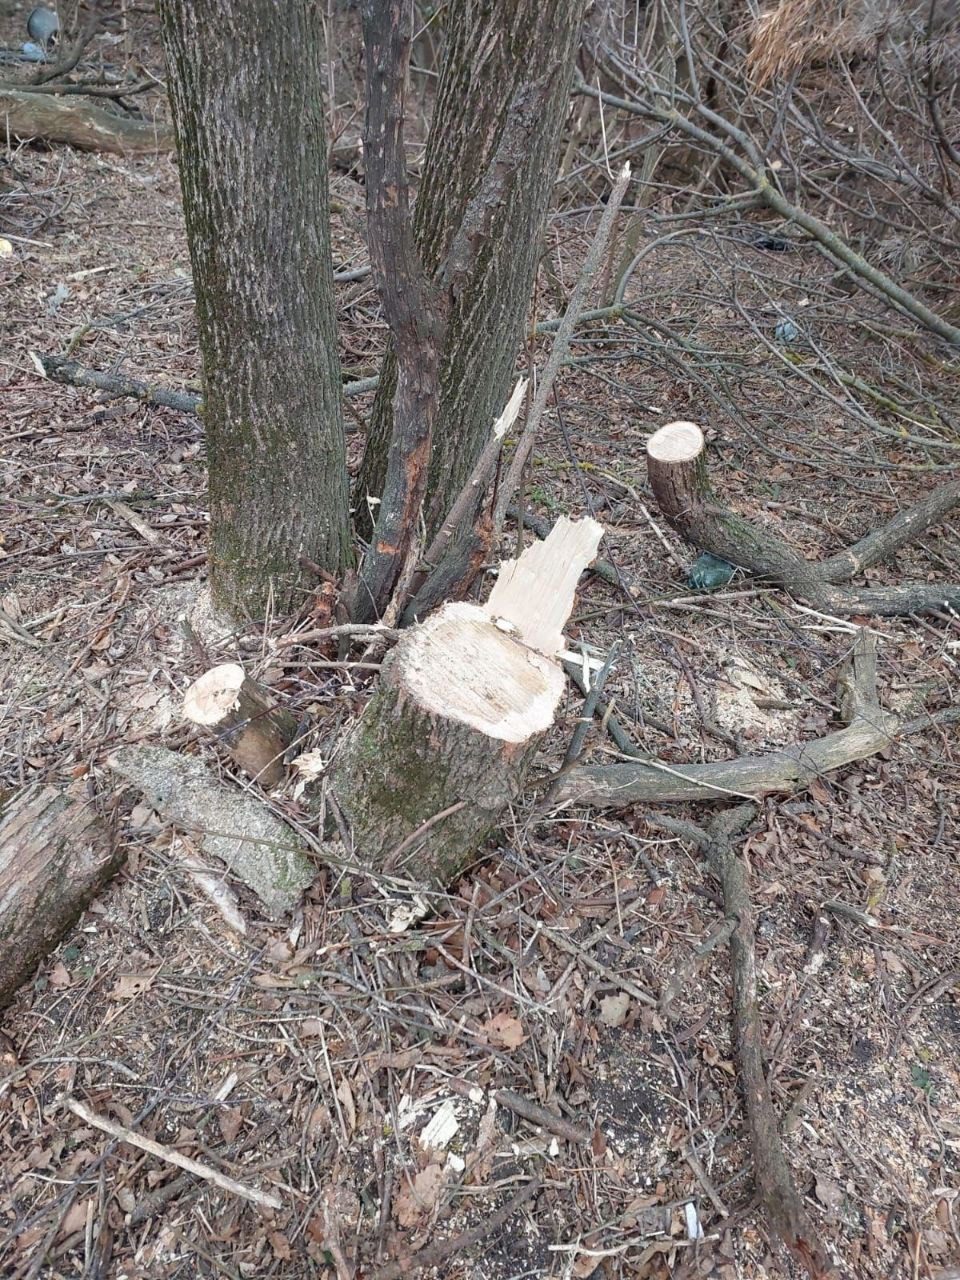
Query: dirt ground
(305, 1058)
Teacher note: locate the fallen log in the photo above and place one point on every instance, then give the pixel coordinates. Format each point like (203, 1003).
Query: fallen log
(465, 700)
(233, 826)
(55, 856)
(40, 117)
(245, 718)
(677, 469)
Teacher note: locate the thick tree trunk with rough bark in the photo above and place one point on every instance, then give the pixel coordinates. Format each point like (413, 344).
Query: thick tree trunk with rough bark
(479, 221)
(246, 88)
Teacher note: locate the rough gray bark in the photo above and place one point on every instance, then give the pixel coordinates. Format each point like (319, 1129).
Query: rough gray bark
(246, 89)
(233, 826)
(479, 220)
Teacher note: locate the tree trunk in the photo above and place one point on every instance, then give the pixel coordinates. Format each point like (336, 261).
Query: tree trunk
(501, 104)
(246, 89)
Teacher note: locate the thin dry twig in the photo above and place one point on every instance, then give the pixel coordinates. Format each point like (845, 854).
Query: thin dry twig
(205, 1171)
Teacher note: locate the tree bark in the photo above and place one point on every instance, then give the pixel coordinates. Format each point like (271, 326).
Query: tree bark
(233, 826)
(246, 89)
(479, 221)
(410, 305)
(55, 855)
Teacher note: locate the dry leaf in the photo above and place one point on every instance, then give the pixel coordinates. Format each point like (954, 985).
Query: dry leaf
(230, 1121)
(418, 1198)
(345, 1094)
(129, 985)
(60, 976)
(280, 1245)
(505, 1030)
(829, 1193)
(75, 1219)
(613, 1009)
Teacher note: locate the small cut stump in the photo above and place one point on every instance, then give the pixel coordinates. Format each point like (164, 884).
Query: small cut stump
(465, 700)
(245, 718)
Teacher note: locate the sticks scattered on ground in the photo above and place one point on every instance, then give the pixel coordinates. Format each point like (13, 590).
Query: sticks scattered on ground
(205, 1171)
(437, 1253)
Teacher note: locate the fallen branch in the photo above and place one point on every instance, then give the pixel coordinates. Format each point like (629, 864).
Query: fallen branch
(677, 468)
(869, 730)
(559, 350)
(765, 190)
(171, 1156)
(235, 827)
(31, 117)
(62, 369)
(549, 1120)
(781, 1203)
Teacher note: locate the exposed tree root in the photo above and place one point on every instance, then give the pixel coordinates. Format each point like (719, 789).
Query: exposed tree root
(869, 729)
(779, 1198)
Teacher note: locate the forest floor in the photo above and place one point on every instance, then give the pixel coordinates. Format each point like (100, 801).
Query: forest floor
(307, 1057)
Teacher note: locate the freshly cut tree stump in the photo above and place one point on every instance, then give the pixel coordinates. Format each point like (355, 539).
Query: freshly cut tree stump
(677, 469)
(55, 856)
(245, 718)
(464, 701)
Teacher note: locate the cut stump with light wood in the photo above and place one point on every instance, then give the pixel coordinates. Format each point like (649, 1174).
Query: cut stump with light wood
(676, 467)
(55, 856)
(245, 718)
(464, 702)
(677, 470)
